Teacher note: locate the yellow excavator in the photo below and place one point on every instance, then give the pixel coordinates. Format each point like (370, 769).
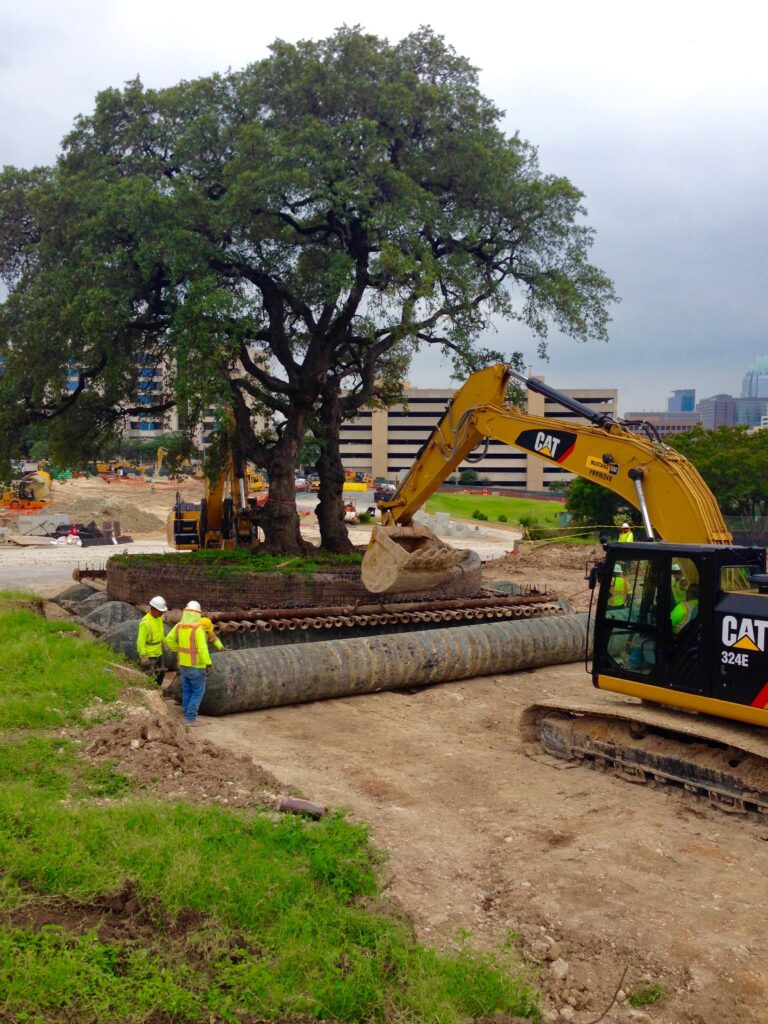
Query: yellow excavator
(686, 631)
(227, 517)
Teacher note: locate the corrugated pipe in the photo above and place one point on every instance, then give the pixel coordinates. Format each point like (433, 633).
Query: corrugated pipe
(249, 680)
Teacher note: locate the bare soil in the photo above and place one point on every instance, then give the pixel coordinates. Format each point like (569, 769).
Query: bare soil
(594, 877)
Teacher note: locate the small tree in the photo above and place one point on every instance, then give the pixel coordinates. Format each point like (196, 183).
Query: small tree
(468, 476)
(592, 504)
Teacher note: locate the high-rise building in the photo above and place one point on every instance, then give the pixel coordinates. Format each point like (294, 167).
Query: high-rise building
(755, 383)
(717, 411)
(683, 400)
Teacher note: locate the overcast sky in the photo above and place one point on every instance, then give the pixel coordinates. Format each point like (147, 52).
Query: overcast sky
(658, 112)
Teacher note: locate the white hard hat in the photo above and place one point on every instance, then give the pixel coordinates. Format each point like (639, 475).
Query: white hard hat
(618, 571)
(193, 606)
(625, 526)
(158, 603)
(676, 567)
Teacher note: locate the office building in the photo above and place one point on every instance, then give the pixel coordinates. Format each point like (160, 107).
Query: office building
(385, 442)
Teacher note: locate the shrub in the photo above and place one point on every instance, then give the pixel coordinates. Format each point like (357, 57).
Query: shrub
(503, 518)
(364, 518)
(477, 514)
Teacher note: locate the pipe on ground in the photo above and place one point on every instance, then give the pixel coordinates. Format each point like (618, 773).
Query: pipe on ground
(249, 680)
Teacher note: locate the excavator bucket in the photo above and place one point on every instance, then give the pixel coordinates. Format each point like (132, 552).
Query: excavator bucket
(403, 559)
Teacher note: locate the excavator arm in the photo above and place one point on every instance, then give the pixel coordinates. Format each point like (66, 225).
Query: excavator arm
(674, 501)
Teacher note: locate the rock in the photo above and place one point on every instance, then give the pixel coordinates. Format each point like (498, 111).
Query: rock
(122, 638)
(567, 1013)
(559, 969)
(621, 996)
(110, 614)
(539, 949)
(640, 1016)
(93, 602)
(74, 595)
(554, 951)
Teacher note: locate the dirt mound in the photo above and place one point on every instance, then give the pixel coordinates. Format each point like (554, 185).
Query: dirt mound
(554, 555)
(166, 758)
(550, 567)
(87, 508)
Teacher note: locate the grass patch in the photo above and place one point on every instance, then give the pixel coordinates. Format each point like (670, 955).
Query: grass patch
(234, 914)
(50, 672)
(645, 996)
(461, 506)
(239, 561)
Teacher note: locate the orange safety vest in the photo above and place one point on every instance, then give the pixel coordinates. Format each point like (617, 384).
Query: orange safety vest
(188, 653)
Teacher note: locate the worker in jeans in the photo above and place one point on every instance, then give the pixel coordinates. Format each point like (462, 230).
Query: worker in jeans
(189, 641)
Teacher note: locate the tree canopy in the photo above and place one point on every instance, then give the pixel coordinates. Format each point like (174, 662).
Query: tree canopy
(733, 463)
(279, 240)
(593, 505)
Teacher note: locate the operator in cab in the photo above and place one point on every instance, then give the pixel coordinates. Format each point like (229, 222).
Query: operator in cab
(687, 610)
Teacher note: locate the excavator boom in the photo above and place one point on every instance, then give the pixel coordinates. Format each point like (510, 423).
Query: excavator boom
(674, 501)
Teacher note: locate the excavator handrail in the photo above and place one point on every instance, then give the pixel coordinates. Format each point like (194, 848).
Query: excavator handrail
(644, 472)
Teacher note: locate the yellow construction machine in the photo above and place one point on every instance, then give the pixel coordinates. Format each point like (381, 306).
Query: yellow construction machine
(32, 491)
(688, 630)
(227, 517)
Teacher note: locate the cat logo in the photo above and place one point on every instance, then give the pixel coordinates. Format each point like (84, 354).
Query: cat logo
(747, 635)
(551, 444)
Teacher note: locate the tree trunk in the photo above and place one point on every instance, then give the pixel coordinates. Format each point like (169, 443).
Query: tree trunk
(280, 520)
(334, 535)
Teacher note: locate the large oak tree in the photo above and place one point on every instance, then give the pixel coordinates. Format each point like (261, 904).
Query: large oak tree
(281, 239)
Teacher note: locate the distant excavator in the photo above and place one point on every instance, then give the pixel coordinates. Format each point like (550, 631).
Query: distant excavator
(227, 517)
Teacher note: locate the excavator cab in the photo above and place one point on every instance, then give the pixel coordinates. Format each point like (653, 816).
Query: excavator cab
(685, 625)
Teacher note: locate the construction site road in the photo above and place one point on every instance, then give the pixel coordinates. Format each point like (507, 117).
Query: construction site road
(47, 568)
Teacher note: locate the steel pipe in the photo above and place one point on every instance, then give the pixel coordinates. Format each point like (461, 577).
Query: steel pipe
(248, 680)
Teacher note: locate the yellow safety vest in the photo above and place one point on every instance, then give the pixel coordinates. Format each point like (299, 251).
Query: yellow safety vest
(687, 609)
(618, 596)
(626, 538)
(149, 642)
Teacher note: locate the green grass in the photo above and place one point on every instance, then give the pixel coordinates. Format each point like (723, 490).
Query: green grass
(241, 560)
(462, 506)
(245, 914)
(645, 996)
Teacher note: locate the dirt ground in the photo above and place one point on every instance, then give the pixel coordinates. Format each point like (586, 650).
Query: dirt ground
(594, 877)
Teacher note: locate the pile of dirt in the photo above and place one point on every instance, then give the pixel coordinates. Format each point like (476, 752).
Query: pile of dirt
(132, 519)
(551, 567)
(169, 760)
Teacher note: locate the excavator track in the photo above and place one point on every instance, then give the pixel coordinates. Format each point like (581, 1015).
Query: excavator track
(724, 763)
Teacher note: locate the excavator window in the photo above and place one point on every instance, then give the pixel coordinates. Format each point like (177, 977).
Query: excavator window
(632, 640)
(734, 579)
